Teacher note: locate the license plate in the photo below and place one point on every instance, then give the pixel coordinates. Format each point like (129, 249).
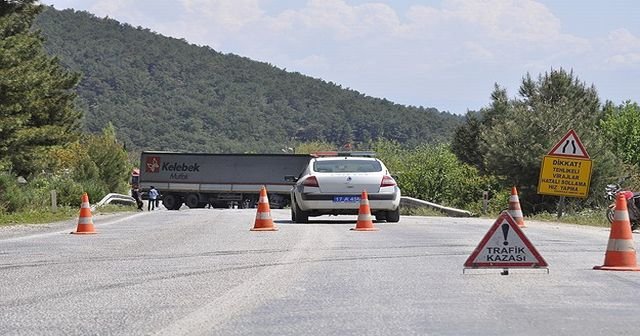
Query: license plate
(346, 199)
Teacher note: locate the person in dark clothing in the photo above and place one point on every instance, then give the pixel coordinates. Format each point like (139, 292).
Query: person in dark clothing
(135, 193)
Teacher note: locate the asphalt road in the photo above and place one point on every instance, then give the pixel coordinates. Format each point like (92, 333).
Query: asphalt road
(202, 272)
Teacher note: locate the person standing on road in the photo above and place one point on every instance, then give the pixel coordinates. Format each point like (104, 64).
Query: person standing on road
(153, 195)
(158, 200)
(135, 193)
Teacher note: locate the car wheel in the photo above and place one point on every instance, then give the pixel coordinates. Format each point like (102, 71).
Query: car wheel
(300, 216)
(393, 216)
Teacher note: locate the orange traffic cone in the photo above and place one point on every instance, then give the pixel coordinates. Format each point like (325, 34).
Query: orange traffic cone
(364, 223)
(264, 222)
(621, 252)
(514, 208)
(85, 221)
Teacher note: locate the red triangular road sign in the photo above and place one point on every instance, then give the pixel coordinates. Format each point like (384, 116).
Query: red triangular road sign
(570, 146)
(505, 246)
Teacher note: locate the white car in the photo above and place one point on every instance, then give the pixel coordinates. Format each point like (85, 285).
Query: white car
(333, 185)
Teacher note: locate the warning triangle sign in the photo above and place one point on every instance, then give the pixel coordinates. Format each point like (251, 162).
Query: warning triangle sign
(570, 146)
(505, 246)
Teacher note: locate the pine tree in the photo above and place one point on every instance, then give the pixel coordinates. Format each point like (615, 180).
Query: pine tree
(465, 141)
(110, 158)
(547, 109)
(622, 128)
(36, 98)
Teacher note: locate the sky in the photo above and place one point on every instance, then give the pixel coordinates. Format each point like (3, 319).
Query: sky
(446, 54)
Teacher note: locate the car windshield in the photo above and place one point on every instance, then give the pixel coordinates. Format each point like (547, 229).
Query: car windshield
(347, 166)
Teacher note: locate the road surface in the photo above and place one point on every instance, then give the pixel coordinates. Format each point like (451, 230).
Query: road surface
(202, 272)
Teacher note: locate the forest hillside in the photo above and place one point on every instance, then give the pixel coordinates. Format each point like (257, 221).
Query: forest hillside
(163, 93)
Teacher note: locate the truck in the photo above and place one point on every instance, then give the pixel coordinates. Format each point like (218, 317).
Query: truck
(220, 180)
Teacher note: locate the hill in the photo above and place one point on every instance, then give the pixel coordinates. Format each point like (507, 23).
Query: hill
(166, 94)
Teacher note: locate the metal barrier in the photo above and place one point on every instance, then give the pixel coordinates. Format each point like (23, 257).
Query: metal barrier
(114, 198)
(418, 203)
(404, 201)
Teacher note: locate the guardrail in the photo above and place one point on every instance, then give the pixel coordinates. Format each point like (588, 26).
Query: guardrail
(404, 201)
(418, 203)
(114, 198)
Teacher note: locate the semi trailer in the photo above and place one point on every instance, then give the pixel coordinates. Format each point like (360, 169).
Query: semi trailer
(220, 180)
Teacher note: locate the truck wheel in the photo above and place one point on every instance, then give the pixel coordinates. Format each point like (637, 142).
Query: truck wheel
(393, 216)
(192, 201)
(171, 202)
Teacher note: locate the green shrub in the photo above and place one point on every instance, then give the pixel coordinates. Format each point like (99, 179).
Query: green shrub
(433, 173)
(95, 189)
(36, 194)
(498, 201)
(591, 217)
(421, 211)
(12, 197)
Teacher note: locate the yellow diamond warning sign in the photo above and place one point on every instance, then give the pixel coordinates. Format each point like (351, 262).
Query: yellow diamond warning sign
(505, 246)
